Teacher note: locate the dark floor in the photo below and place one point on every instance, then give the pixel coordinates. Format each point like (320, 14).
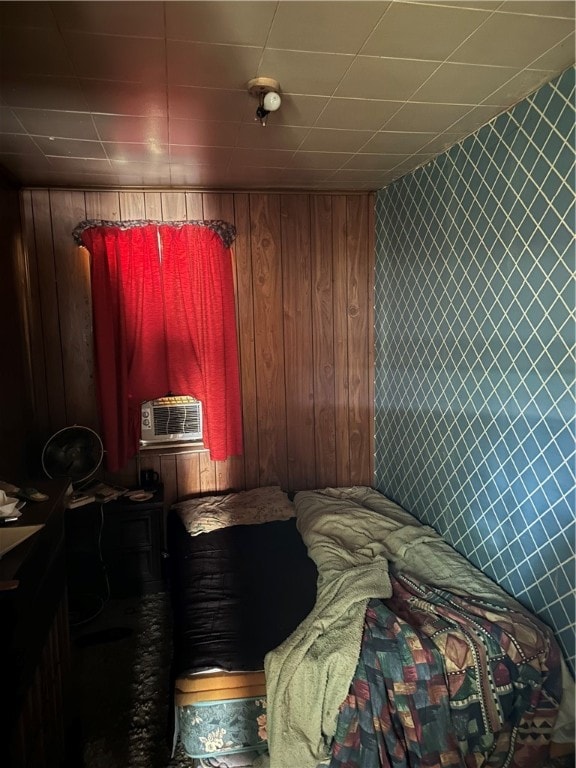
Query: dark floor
(120, 683)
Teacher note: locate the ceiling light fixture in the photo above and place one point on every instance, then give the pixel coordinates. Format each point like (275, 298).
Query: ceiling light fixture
(266, 90)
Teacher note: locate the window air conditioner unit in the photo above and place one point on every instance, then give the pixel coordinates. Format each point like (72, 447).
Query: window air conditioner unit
(169, 419)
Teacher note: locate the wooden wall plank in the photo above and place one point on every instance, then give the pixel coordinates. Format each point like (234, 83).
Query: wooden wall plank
(43, 222)
(246, 351)
(132, 206)
(358, 315)
(188, 472)
(169, 475)
(75, 309)
(269, 338)
(323, 338)
(173, 206)
(340, 309)
(207, 468)
(103, 205)
(194, 206)
(38, 369)
(298, 341)
(153, 206)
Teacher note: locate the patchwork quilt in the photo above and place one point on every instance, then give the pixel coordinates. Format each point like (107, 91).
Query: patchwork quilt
(447, 681)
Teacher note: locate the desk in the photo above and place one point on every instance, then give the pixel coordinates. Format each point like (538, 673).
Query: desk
(34, 641)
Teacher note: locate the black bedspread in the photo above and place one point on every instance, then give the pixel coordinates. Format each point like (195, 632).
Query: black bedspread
(237, 593)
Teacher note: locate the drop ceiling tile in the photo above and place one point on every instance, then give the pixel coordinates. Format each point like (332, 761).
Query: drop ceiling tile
(183, 154)
(558, 58)
(33, 52)
(296, 110)
(39, 92)
(321, 26)
(360, 114)
(45, 122)
(302, 177)
(195, 176)
(334, 140)
(245, 23)
(211, 66)
(271, 137)
(186, 102)
(422, 31)
(397, 142)
(208, 133)
(9, 123)
(429, 117)
(370, 77)
(118, 98)
(150, 178)
(375, 162)
(30, 14)
(70, 147)
(529, 37)
(319, 160)
(133, 19)
(136, 153)
(140, 60)
(140, 167)
(121, 128)
(313, 74)
(238, 174)
(543, 7)
(46, 177)
(264, 158)
(481, 5)
(26, 163)
(477, 117)
(525, 82)
(63, 164)
(360, 176)
(414, 161)
(463, 84)
(441, 143)
(19, 143)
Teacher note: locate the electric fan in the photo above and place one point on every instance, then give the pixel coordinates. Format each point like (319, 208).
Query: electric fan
(75, 452)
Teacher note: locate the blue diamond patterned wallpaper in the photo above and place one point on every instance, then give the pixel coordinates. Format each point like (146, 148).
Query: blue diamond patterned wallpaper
(475, 332)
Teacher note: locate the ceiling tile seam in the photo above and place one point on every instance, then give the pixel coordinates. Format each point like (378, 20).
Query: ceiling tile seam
(265, 46)
(73, 69)
(354, 57)
(486, 20)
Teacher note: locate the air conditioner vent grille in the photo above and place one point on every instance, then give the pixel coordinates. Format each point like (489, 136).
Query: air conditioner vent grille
(169, 419)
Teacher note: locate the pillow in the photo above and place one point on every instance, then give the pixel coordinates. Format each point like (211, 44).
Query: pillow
(259, 505)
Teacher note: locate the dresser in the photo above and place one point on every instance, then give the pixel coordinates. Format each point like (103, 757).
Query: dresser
(34, 637)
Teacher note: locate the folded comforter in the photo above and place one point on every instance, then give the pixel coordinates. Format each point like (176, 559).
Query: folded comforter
(308, 676)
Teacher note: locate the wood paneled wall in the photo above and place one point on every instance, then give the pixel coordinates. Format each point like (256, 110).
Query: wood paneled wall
(304, 281)
(15, 406)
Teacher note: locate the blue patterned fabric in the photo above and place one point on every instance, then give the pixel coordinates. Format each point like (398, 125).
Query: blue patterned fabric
(213, 728)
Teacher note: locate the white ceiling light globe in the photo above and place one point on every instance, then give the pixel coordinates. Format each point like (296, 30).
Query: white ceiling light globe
(271, 101)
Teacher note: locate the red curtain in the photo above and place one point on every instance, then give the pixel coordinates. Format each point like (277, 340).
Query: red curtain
(164, 321)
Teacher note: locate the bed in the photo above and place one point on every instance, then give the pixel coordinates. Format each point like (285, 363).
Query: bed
(335, 629)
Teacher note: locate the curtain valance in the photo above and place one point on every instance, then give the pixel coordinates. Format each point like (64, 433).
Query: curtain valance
(226, 231)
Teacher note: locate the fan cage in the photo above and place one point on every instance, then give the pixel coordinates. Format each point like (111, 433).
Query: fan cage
(65, 437)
